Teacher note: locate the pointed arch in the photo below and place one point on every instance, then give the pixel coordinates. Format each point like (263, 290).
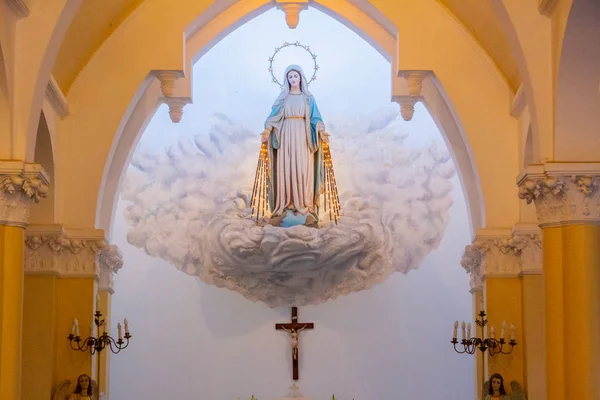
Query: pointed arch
(203, 33)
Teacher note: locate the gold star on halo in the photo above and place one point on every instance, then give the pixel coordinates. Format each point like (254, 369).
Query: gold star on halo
(286, 44)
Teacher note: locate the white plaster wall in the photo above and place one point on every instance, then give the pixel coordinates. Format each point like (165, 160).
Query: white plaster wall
(192, 340)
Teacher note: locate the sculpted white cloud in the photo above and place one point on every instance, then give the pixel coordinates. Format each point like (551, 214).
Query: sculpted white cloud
(190, 206)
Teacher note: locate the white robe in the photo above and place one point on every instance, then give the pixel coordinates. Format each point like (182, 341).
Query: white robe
(295, 164)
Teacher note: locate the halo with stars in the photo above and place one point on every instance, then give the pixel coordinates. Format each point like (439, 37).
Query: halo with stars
(286, 45)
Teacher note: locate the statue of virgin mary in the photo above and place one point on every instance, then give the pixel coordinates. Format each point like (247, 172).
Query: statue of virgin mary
(294, 133)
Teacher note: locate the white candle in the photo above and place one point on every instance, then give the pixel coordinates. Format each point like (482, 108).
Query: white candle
(469, 330)
(119, 330)
(126, 326)
(512, 332)
(97, 302)
(492, 331)
(502, 332)
(73, 328)
(92, 328)
(76, 322)
(454, 332)
(463, 330)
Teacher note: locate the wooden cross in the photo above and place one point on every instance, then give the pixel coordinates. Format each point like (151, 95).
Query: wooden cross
(294, 329)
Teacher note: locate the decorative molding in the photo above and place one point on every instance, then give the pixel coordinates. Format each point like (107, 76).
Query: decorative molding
(21, 185)
(167, 81)
(51, 249)
(18, 7)
(407, 105)
(528, 238)
(545, 6)
(518, 103)
(56, 98)
(563, 193)
(292, 9)
(414, 89)
(176, 105)
(415, 82)
(502, 253)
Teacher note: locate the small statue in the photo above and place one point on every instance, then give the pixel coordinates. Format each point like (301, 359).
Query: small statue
(495, 388)
(517, 391)
(86, 389)
(295, 335)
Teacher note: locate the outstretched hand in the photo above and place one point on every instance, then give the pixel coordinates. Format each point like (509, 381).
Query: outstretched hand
(264, 136)
(325, 137)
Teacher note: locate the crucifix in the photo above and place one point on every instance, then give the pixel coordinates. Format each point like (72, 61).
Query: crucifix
(294, 328)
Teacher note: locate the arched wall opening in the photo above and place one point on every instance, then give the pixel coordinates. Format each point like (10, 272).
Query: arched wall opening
(44, 211)
(203, 34)
(219, 318)
(577, 109)
(5, 109)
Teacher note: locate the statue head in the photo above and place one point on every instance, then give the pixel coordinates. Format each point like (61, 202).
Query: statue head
(84, 385)
(496, 384)
(294, 77)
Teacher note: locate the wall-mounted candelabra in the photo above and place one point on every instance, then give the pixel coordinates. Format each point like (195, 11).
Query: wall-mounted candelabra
(98, 338)
(491, 344)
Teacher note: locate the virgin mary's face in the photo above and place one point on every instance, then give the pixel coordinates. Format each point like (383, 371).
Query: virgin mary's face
(294, 78)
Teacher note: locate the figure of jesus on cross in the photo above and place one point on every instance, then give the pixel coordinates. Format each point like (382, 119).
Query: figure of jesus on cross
(294, 328)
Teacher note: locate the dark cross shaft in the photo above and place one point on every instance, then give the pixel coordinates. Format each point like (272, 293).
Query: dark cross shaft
(294, 328)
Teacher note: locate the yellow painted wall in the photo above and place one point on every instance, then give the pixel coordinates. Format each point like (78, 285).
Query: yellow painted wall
(75, 298)
(50, 305)
(11, 299)
(39, 336)
(581, 274)
(534, 336)
(553, 277)
(503, 299)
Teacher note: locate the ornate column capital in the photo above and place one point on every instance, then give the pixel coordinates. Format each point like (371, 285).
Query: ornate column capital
(563, 193)
(52, 249)
(528, 238)
(21, 185)
(502, 253)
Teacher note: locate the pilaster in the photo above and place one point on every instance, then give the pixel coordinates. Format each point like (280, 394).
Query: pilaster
(68, 273)
(499, 261)
(567, 202)
(21, 185)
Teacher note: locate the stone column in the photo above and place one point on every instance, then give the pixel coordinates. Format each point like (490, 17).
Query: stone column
(21, 184)
(566, 198)
(65, 270)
